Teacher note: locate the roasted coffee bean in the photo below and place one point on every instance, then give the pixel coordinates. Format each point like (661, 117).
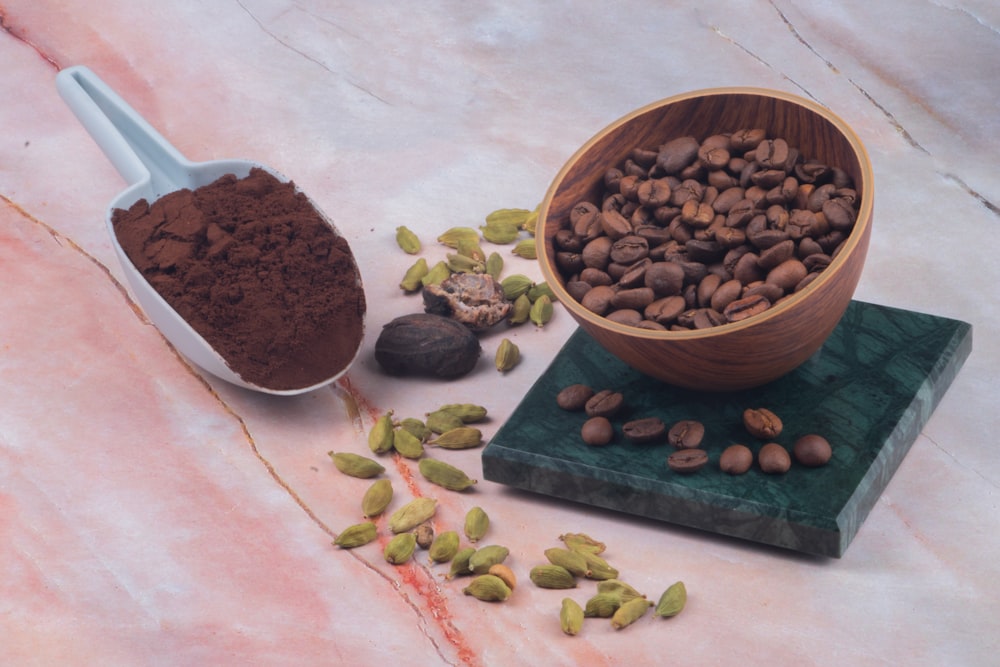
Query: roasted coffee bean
(812, 450)
(676, 154)
(748, 306)
(629, 249)
(574, 397)
(595, 277)
(687, 460)
(567, 241)
(665, 310)
(762, 423)
(597, 431)
(605, 403)
(597, 253)
(736, 459)
(787, 274)
(665, 278)
(598, 299)
(627, 316)
(686, 434)
(776, 254)
(724, 295)
(577, 289)
(637, 298)
(774, 459)
(648, 429)
(614, 224)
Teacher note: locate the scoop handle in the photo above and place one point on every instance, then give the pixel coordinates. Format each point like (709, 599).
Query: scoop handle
(133, 146)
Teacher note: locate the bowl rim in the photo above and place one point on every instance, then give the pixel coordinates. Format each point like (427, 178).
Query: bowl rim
(554, 279)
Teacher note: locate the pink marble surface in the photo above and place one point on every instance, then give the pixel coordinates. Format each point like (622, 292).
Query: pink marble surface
(149, 515)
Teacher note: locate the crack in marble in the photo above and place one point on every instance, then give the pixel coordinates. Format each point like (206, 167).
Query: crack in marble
(305, 55)
(7, 27)
(972, 192)
(966, 12)
(958, 462)
(718, 31)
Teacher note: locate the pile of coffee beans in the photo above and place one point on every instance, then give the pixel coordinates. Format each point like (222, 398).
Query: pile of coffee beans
(687, 435)
(697, 234)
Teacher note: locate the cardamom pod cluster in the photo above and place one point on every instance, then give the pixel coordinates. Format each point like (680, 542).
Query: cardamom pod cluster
(614, 599)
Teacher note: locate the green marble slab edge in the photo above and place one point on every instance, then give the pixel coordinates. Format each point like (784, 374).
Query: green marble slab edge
(870, 390)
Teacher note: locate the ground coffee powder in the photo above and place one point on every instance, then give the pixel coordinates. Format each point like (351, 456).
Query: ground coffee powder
(254, 268)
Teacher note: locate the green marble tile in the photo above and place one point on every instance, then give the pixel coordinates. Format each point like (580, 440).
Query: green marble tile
(869, 390)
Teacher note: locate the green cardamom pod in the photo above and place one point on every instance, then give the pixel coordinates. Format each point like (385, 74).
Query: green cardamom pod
(485, 557)
(462, 264)
(538, 289)
(552, 576)
(357, 535)
(444, 547)
(380, 435)
(515, 285)
(520, 310)
(526, 248)
(630, 612)
(508, 216)
(453, 236)
(476, 524)
(469, 413)
(501, 234)
(445, 475)
(470, 248)
(376, 498)
(582, 542)
(412, 514)
(571, 617)
(436, 274)
(356, 465)
(602, 605)
(462, 437)
(417, 427)
(571, 560)
(460, 563)
(407, 445)
(618, 588)
(441, 421)
(407, 240)
(541, 311)
(507, 356)
(413, 278)
(599, 568)
(400, 548)
(494, 265)
(672, 601)
(488, 587)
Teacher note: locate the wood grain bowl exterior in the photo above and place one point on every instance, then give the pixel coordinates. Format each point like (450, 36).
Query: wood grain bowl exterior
(761, 348)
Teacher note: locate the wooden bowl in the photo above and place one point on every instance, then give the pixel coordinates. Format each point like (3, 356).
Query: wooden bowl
(761, 348)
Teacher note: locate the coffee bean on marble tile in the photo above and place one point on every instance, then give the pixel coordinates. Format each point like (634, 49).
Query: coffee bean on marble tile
(574, 397)
(686, 434)
(687, 461)
(774, 459)
(597, 431)
(736, 459)
(812, 450)
(645, 430)
(604, 403)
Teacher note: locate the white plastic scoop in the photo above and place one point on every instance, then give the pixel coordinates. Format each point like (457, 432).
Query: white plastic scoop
(153, 168)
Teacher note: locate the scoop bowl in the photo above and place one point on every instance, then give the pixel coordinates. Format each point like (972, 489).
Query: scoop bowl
(152, 167)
